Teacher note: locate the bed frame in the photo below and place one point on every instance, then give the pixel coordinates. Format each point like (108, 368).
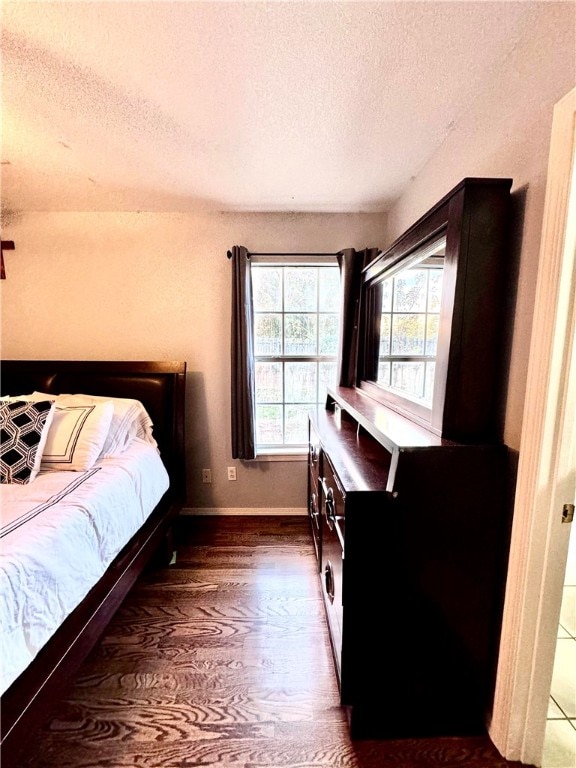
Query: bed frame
(160, 386)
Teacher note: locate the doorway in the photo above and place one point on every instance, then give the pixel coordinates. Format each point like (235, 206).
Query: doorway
(546, 471)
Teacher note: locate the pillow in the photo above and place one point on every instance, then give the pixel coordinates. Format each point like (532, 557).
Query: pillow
(129, 420)
(76, 436)
(24, 427)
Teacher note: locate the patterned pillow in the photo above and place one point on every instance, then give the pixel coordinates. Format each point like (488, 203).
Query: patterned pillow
(23, 431)
(76, 437)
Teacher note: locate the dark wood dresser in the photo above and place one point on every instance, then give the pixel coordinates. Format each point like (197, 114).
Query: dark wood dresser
(411, 532)
(410, 484)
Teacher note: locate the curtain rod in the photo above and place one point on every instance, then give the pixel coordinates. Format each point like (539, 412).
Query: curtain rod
(292, 253)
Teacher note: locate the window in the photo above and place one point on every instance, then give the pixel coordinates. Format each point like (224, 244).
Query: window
(296, 328)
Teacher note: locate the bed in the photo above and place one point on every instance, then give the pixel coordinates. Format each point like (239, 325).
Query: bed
(119, 506)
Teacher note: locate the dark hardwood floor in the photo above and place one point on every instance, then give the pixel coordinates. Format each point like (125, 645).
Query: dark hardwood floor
(223, 659)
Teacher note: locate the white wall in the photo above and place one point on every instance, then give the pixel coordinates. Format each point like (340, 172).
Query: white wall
(144, 286)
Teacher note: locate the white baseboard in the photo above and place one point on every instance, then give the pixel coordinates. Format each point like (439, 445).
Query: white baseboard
(244, 511)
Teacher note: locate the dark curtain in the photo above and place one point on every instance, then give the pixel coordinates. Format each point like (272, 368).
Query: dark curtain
(242, 356)
(351, 263)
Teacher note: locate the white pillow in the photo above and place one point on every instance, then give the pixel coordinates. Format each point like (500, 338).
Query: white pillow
(24, 431)
(129, 420)
(76, 436)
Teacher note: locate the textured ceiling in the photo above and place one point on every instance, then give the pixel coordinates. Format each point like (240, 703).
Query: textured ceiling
(262, 106)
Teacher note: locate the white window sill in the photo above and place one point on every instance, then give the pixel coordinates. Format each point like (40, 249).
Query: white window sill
(284, 455)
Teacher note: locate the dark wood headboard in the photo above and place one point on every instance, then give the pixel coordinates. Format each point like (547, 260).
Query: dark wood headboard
(159, 385)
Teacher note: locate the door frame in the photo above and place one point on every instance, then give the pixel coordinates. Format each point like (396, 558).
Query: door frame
(546, 470)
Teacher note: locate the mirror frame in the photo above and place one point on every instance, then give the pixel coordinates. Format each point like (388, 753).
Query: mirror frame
(466, 402)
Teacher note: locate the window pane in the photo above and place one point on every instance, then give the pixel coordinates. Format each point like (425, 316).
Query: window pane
(297, 424)
(329, 279)
(434, 290)
(384, 373)
(432, 322)
(300, 334)
(300, 382)
(385, 334)
(328, 334)
(429, 383)
(326, 378)
(269, 424)
(300, 289)
(267, 334)
(410, 291)
(387, 295)
(268, 381)
(267, 289)
(408, 377)
(408, 334)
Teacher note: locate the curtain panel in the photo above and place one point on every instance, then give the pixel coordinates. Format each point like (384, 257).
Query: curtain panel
(242, 357)
(351, 263)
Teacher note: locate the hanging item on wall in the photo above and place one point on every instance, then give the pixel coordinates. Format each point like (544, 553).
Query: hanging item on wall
(5, 245)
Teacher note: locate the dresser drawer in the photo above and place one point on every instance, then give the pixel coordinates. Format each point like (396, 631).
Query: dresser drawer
(314, 453)
(314, 514)
(331, 578)
(332, 558)
(314, 468)
(333, 503)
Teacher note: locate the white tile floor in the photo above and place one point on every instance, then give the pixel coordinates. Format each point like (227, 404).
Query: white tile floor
(560, 740)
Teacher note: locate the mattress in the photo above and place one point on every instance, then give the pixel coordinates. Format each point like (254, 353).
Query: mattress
(58, 536)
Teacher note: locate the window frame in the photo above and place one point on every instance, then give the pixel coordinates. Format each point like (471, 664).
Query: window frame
(291, 452)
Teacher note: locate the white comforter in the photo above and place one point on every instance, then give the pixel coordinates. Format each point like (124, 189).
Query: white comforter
(58, 536)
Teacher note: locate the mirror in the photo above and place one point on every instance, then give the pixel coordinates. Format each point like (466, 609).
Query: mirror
(406, 306)
(431, 315)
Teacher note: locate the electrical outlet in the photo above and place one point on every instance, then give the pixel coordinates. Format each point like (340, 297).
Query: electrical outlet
(206, 475)
(231, 473)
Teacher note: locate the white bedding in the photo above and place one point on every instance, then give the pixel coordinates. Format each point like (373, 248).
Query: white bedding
(58, 535)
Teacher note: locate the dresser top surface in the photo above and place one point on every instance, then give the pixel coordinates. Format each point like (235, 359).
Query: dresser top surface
(360, 463)
(391, 429)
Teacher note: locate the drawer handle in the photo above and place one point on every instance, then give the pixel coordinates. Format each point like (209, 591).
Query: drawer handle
(314, 453)
(339, 532)
(314, 505)
(330, 508)
(329, 580)
(332, 519)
